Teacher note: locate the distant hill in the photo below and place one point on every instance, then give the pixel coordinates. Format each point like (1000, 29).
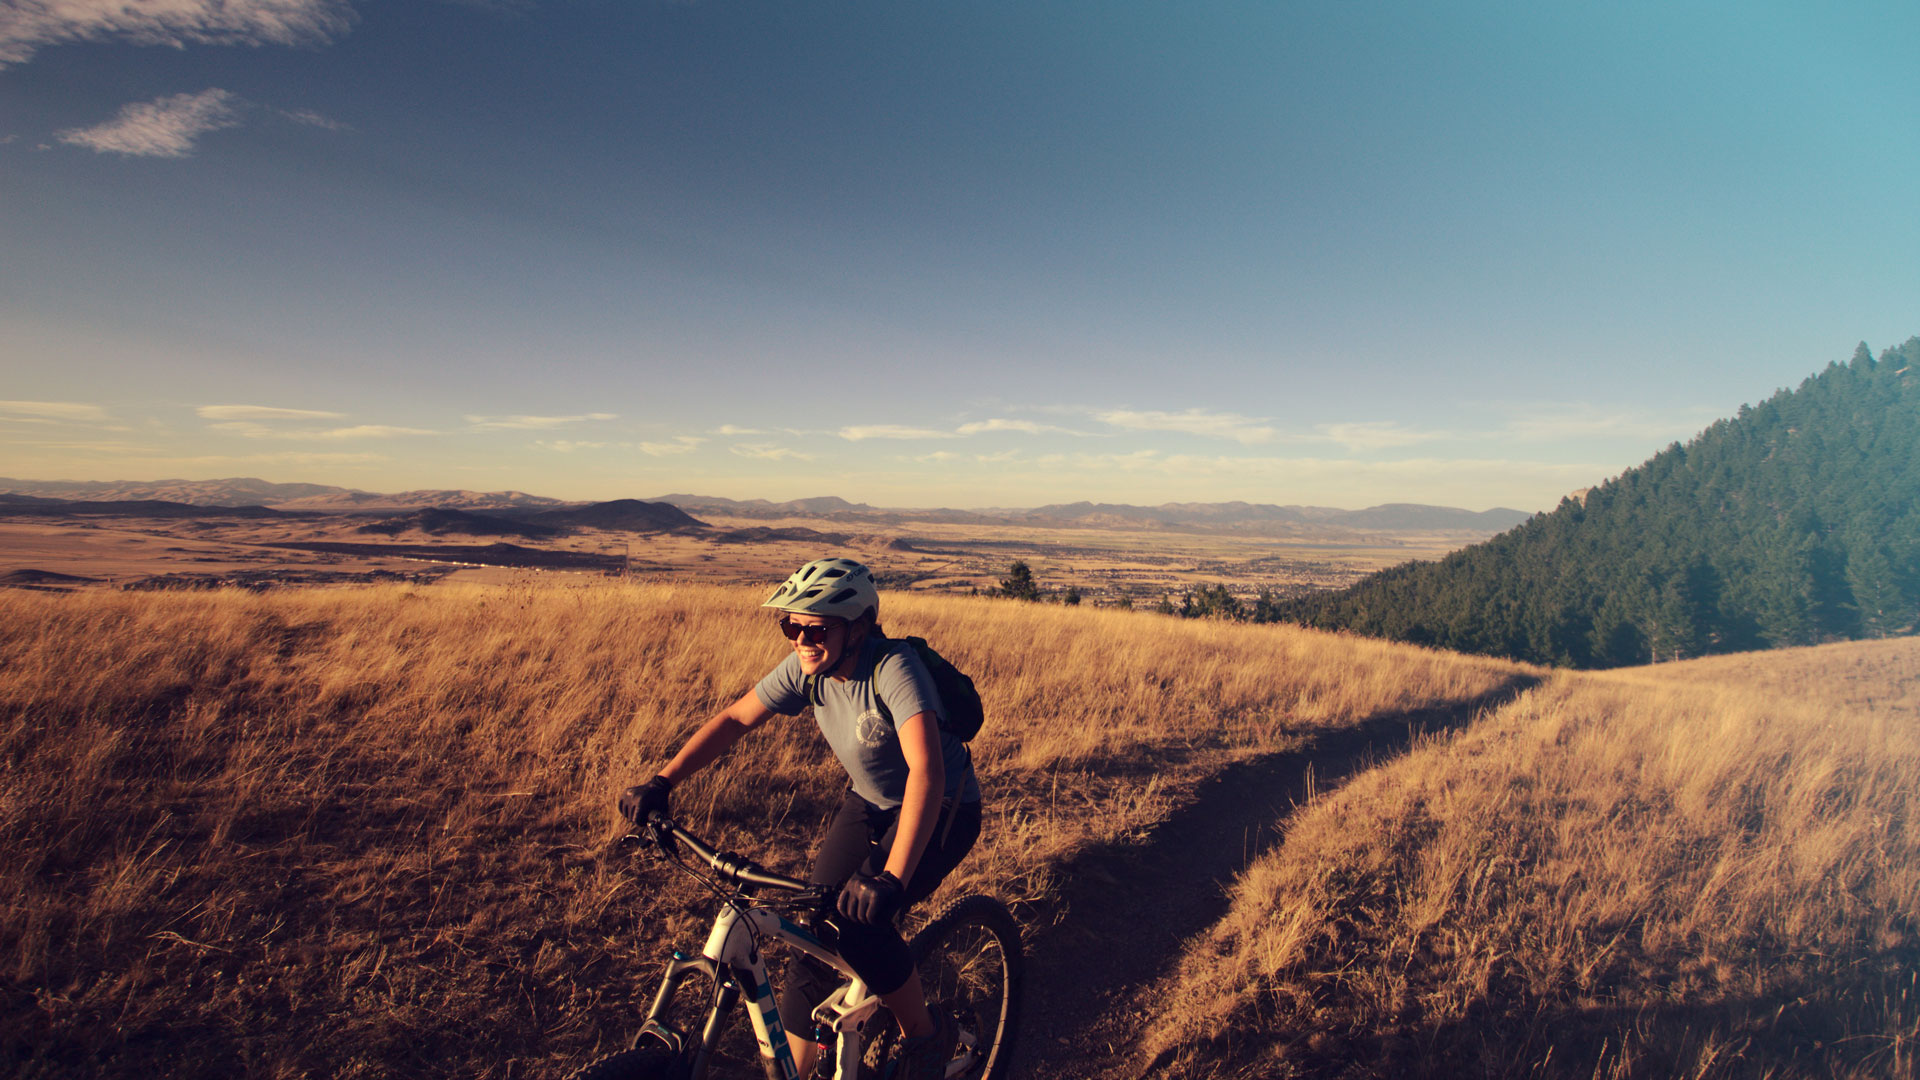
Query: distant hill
(435, 521)
(442, 499)
(1796, 522)
(630, 514)
(760, 534)
(823, 506)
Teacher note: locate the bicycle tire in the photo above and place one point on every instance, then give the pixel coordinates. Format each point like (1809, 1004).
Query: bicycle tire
(649, 1063)
(971, 964)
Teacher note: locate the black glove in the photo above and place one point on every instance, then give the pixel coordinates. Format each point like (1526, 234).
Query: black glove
(636, 803)
(872, 900)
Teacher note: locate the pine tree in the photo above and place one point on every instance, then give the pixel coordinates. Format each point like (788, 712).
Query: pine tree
(1018, 584)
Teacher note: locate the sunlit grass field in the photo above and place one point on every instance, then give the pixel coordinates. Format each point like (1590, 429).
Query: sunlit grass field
(369, 832)
(1697, 870)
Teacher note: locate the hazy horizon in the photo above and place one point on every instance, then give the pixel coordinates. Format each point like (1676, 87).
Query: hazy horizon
(665, 496)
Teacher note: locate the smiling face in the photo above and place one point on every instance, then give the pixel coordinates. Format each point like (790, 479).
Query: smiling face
(819, 641)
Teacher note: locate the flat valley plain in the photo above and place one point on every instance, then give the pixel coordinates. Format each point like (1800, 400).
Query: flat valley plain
(1106, 565)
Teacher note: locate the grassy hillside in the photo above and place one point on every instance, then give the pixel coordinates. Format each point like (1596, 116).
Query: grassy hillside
(368, 832)
(1700, 870)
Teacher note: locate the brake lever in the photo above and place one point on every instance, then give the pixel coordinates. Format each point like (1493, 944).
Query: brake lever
(661, 833)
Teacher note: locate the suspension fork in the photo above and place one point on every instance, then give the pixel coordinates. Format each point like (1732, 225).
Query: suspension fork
(657, 1026)
(726, 994)
(729, 985)
(696, 1057)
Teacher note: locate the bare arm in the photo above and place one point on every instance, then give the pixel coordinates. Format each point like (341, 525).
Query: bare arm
(926, 787)
(715, 736)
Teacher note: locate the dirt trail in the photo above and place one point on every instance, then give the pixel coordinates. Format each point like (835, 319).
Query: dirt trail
(1130, 909)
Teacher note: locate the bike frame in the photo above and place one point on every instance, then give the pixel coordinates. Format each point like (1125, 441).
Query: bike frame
(733, 960)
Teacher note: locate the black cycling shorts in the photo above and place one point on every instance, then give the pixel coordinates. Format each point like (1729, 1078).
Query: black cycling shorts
(859, 839)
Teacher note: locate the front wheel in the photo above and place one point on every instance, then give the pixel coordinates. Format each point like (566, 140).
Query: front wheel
(971, 965)
(650, 1063)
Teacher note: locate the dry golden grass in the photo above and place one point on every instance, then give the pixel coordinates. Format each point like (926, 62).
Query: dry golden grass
(368, 832)
(1695, 870)
(1872, 676)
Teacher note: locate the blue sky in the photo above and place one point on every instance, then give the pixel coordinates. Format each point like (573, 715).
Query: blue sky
(914, 254)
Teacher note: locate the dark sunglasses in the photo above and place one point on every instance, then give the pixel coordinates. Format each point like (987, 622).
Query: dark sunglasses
(807, 634)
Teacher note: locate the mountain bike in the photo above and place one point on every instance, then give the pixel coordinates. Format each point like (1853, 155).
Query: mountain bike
(968, 956)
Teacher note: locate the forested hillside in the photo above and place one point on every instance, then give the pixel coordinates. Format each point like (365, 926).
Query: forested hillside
(1793, 523)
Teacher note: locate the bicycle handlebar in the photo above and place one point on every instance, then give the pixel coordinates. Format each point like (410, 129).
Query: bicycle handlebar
(737, 868)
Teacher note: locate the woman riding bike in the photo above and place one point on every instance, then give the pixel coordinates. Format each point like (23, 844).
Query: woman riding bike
(911, 815)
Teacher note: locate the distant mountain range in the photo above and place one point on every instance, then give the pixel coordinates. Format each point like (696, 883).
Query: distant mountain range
(1227, 516)
(234, 492)
(248, 491)
(630, 515)
(34, 506)
(675, 512)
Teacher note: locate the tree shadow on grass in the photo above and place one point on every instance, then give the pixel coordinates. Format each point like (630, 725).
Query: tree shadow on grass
(1130, 908)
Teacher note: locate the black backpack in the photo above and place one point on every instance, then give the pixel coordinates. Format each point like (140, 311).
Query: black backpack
(962, 712)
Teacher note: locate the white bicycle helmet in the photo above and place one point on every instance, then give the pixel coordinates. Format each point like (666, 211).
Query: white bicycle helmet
(840, 588)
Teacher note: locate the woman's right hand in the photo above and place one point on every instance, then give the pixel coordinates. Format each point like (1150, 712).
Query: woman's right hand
(639, 803)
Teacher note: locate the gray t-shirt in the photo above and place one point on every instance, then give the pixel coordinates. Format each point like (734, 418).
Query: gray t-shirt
(860, 733)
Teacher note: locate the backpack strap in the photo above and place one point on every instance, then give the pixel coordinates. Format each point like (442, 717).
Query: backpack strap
(895, 644)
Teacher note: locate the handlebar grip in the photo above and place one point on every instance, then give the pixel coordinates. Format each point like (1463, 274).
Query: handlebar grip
(729, 865)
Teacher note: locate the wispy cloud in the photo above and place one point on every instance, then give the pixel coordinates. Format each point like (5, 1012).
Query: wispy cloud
(1027, 427)
(735, 429)
(164, 127)
(862, 432)
(1371, 435)
(27, 25)
(370, 431)
(263, 412)
(769, 452)
(70, 411)
(1127, 461)
(533, 423)
(253, 430)
(684, 444)
(311, 118)
(1218, 425)
(949, 457)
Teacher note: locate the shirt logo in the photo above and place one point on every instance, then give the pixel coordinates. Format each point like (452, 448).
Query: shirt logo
(872, 730)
